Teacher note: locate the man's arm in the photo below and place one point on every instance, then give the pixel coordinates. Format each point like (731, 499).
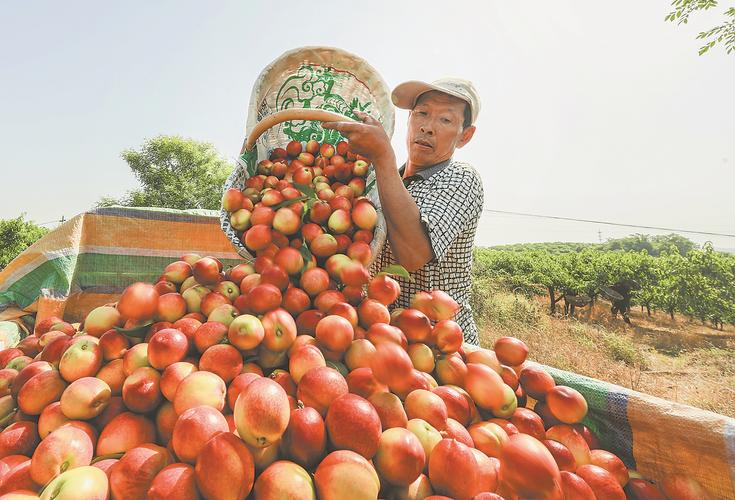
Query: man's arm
(409, 240)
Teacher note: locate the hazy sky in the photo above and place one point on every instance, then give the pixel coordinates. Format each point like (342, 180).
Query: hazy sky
(594, 110)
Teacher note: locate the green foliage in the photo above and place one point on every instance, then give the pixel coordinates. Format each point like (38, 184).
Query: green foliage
(653, 245)
(699, 283)
(646, 275)
(15, 236)
(490, 305)
(709, 286)
(554, 247)
(623, 349)
(174, 173)
(518, 272)
(722, 33)
(397, 270)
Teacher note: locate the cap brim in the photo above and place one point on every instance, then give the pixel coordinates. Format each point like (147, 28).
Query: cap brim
(405, 95)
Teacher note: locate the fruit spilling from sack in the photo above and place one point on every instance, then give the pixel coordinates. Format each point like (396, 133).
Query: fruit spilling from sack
(309, 197)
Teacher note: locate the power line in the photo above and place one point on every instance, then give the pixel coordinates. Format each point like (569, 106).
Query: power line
(554, 217)
(60, 221)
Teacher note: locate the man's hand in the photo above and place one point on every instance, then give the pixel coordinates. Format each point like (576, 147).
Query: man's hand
(367, 137)
(407, 234)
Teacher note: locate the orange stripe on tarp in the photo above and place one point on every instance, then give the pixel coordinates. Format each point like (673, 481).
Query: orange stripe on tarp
(125, 232)
(78, 305)
(671, 438)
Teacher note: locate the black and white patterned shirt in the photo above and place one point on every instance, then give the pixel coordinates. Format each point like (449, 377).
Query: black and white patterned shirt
(450, 198)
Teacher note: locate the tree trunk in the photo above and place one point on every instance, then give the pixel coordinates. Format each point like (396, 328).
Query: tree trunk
(648, 309)
(552, 298)
(671, 313)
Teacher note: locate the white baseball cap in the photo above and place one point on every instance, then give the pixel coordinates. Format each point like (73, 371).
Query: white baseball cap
(405, 95)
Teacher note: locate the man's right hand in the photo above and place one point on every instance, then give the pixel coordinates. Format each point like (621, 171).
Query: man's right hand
(367, 138)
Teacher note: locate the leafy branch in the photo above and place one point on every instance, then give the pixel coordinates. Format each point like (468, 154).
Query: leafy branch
(683, 8)
(723, 33)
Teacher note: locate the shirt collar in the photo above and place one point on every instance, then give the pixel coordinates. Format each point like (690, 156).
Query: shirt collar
(426, 172)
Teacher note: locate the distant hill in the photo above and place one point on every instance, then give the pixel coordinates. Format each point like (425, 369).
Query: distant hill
(653, 244)
(554, 248)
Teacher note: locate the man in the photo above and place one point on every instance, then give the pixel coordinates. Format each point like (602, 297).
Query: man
(432, 203)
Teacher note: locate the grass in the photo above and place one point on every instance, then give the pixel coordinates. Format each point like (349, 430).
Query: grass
(503, 310)
(637, 357)
(623, 349)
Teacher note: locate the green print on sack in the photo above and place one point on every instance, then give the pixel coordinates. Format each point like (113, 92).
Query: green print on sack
(314, 87)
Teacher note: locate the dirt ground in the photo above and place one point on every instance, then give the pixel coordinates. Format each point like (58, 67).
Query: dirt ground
(680, 360)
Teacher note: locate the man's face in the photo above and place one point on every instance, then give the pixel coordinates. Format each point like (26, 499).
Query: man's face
(435, 129)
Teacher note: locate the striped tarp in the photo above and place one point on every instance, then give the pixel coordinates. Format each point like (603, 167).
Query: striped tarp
(92, 257)
(659, 437)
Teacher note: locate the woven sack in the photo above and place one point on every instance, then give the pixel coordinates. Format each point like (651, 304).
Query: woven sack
(291, 98)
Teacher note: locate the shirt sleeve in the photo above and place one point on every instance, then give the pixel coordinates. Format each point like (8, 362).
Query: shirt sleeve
(452, 206)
